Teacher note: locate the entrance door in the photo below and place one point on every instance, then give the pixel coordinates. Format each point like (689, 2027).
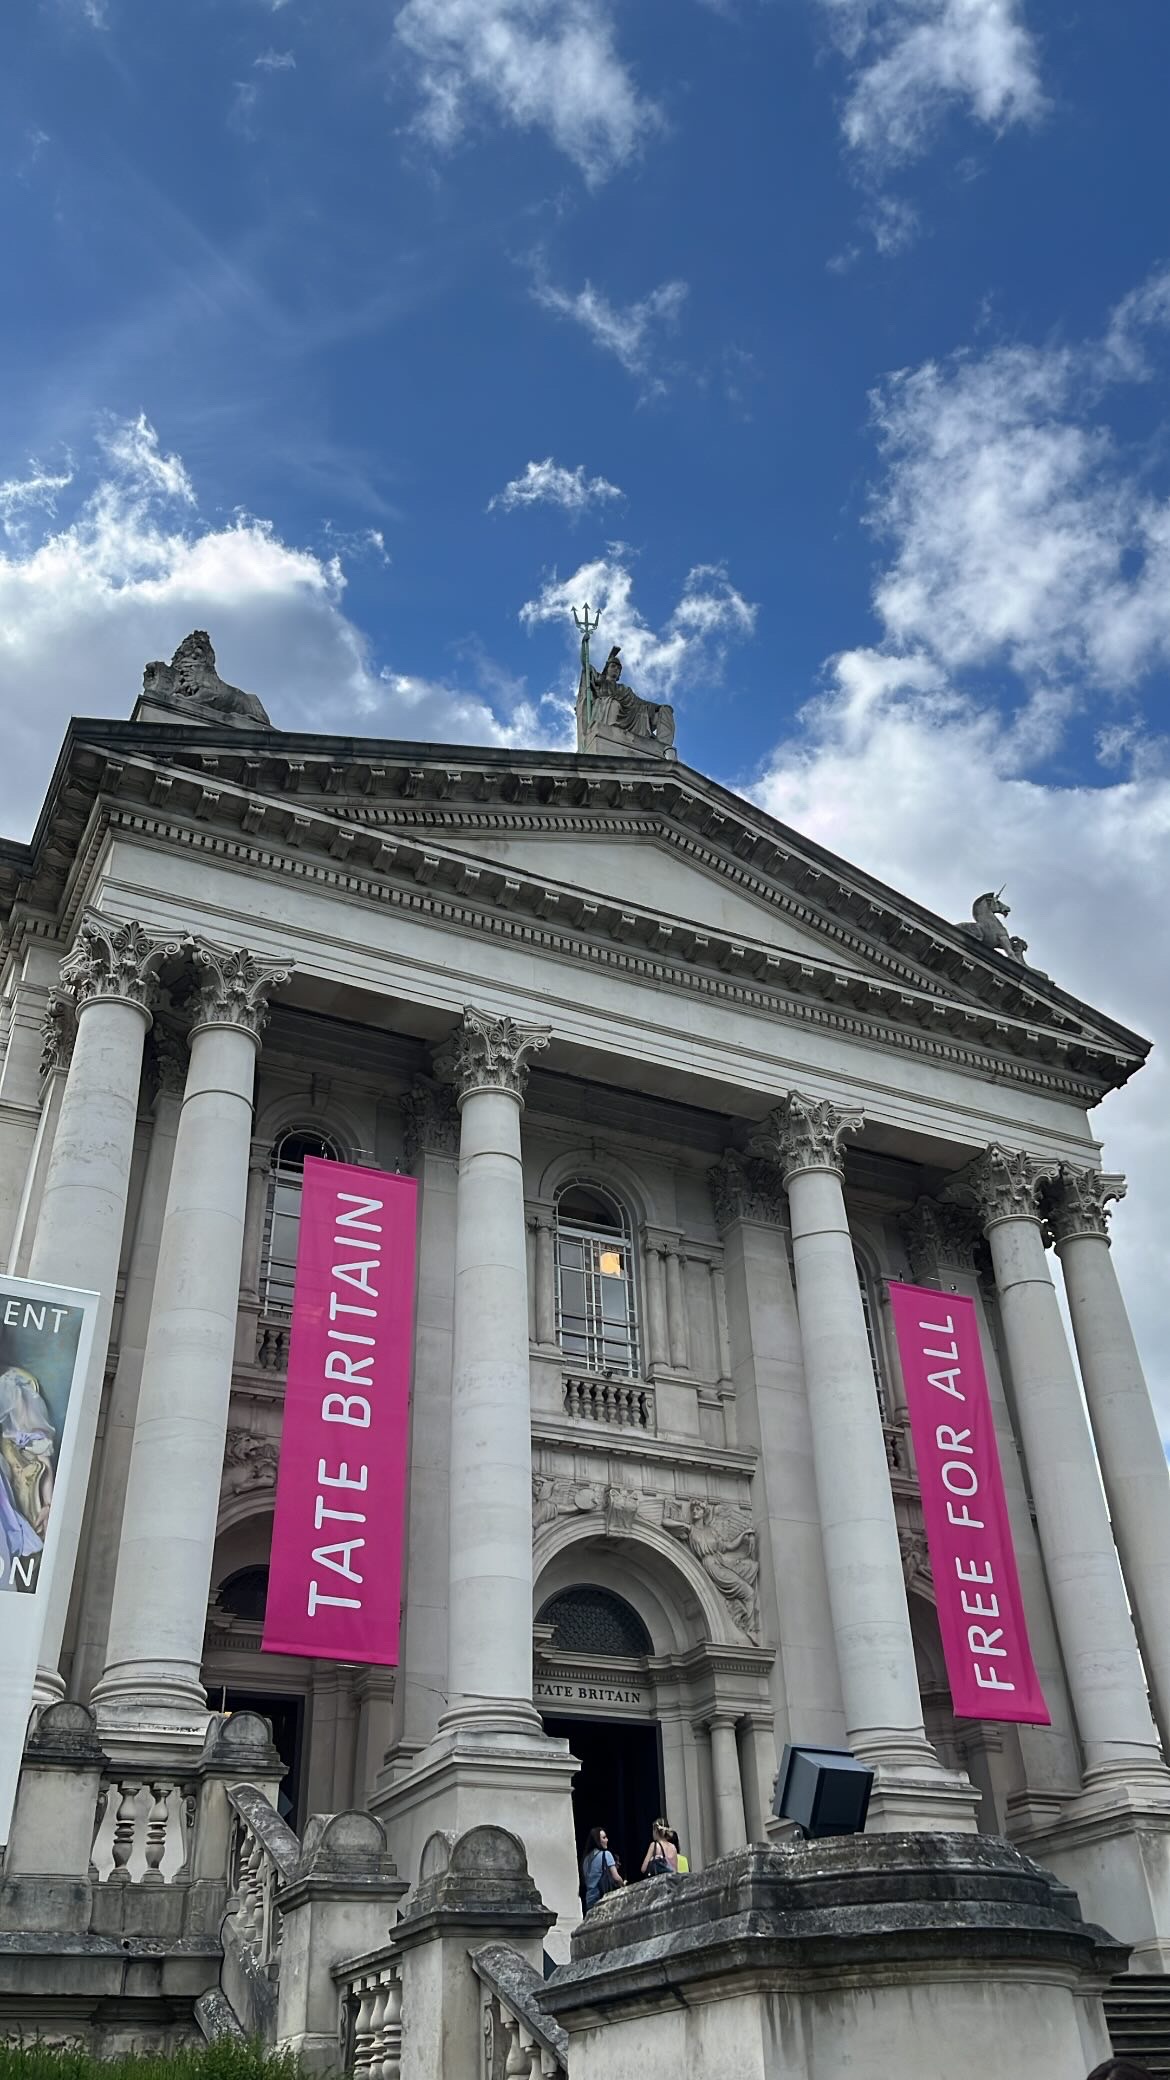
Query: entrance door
(287, 1715)
(618, 1786)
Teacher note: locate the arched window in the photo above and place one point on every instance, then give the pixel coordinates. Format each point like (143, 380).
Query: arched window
(595, 1621)
(597, 1317)
(282, 1217)
(245, 1593)
(873, 1334)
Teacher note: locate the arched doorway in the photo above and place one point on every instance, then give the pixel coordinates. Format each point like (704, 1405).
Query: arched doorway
(606, 1721)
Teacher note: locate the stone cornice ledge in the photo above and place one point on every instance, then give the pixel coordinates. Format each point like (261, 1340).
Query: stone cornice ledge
(636, 1444)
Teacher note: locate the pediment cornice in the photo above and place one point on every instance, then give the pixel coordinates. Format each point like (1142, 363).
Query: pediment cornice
(398, 822)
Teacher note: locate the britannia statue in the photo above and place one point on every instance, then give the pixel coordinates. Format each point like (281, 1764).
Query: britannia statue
(603, 697)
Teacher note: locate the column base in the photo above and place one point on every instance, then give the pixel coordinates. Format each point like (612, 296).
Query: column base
(493, 1765)
(1111, 1844)
(49, 1688)
(912, 1792)
(140, 1708)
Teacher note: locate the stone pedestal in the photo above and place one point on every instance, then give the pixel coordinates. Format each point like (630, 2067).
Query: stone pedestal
(872, 1956)
(474, 1893)
(338, 1904)
(47, 1861)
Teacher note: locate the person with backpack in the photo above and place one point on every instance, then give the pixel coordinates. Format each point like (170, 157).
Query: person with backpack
(599, 1869)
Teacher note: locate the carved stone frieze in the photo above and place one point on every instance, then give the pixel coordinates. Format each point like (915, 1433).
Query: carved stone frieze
(1002, 1184)
(938, 1235)
(112, 957)
(168, 1059)
(723, 1541)
(489, 1053)
(250, 1461)
(430, 1120)
(806, 1134)
(1077, 1200)
(621, 1510)
(915, 1559)
(746, 1188)
(58, 1032)
(557, 1495)
(234, 985)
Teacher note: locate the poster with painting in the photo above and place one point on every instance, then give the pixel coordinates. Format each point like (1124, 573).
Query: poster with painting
(39, 1343)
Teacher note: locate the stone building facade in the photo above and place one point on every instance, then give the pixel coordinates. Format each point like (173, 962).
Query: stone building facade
(681, 1091)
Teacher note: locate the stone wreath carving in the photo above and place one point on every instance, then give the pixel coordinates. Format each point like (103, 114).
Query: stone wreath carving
(723, 1541)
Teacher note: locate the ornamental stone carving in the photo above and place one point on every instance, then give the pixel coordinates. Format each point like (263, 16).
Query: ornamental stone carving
(621, 1510)
(939, 1234)
(556, 1495)
(488, 1053)
(233, 986)
(430, 1120)
(168, 1060)
(915, 1558)
(250, 1461)
(806, 1134)
(723, 1541)
(112, 957)
(746, 1188)
(1076, 1201)
(58, 1032)
(1002, 1184)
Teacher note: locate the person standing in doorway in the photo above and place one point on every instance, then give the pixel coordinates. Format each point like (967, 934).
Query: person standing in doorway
(661, 1857)
(599, 1871)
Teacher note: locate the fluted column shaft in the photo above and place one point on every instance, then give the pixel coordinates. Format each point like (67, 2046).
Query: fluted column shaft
(489, 1641)
(1129, 1443)
(657, 1339)
(863, 1560)
(159, 1608)
(1084, 1577)
(110, 977)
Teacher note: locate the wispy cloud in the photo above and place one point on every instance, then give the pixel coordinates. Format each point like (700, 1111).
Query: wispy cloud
(633, 334)
(549, 483)
(548, 65)
(690, 646)
(912, 60)
(22, 496)
(275, 61)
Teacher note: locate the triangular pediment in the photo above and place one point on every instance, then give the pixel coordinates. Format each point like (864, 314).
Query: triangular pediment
(641, 863)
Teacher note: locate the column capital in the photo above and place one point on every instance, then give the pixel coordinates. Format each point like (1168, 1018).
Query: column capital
(430, 1120)
(939, 1234)
(489, 1053)
(806, 1134)
(113, 957)
(746, 1188)
(1002, 1184)
(233, 986)
(1076, 1201)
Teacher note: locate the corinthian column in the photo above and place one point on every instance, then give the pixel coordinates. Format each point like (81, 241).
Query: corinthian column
(863, 1560)
(111, 977)
(151, 1682)
(489, 1641)
(1084, 1578)
(1129, 1444)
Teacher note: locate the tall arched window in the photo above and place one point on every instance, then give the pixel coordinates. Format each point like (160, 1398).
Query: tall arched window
(873, 1334)
(282, 1218)
(597, 1315)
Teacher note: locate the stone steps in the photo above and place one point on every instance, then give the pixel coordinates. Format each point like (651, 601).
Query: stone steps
(1138, 2013)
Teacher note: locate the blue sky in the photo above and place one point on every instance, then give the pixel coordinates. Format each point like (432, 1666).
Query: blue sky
(822, 342)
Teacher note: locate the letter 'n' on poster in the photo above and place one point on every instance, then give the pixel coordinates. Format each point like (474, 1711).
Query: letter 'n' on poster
(335, 1576)
(46, 1337)
(968, 1533)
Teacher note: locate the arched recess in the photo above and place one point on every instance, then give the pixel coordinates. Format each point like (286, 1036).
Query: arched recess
(292, 1109)
(610, 1174)
(679, 1606)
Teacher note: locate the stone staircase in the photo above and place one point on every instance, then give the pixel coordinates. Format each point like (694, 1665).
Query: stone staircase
(1138, 2013)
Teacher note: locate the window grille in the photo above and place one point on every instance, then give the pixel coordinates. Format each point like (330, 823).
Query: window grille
(595, 1621)
(597, 1317)
(282, 1216)
(873, 1337)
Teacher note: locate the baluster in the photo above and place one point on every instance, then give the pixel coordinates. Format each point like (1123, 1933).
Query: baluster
(363, 2035)
(517, 2065)
(157, 1821)
(378, 2031)
(125, 1828)
(392, 2029)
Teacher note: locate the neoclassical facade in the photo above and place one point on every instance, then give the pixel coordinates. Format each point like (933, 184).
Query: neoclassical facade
(681, 1092)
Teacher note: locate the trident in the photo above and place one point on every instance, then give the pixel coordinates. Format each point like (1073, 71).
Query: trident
(586, 628)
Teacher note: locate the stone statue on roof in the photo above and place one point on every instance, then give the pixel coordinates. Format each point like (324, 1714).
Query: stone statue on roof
(610, 715)
(191, 676)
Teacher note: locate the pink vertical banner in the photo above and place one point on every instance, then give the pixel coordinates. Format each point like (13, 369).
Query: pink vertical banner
(972, 1559)
(335, 1577)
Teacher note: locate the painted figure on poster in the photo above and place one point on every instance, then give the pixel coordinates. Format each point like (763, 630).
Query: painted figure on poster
(28, 1453)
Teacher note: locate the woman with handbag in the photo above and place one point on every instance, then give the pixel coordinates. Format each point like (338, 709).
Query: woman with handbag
(599, 1871)
(661, 1857)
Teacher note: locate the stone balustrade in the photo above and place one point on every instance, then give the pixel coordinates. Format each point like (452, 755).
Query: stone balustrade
(272, 1333)
(264, 1855)
(370, 2016)
(519, 2043)
(625, 1404)
(144, 1830)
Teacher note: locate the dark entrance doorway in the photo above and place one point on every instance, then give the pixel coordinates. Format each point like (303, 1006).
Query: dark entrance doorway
(287, 1715)
(619, 1784)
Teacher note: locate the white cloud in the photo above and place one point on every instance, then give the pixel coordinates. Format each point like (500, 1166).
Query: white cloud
(1018, 537)
(549, 483)
(911, 60)
(690, 646)
(549, 65)
(632, 334)
(275, 61)
(20, 497)
(86, 603)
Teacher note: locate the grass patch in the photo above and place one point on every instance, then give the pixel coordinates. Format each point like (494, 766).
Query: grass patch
(221, 2061)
